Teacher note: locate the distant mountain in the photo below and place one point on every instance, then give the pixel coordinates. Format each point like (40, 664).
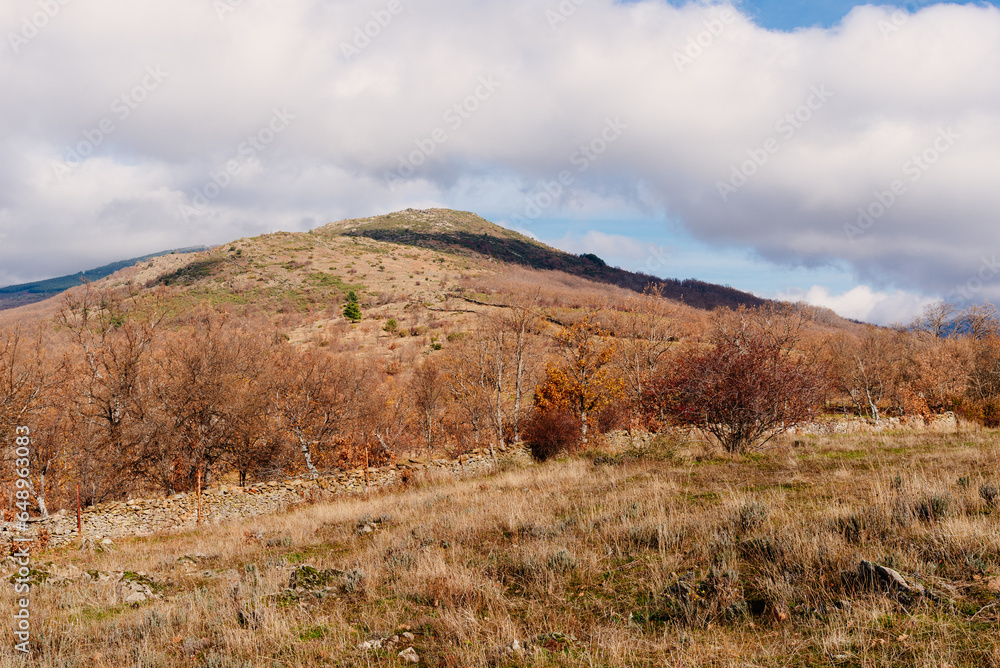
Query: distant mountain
(464, 233)
(13, 296)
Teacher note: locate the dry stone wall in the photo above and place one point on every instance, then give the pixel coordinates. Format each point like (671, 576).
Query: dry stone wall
(143, 517)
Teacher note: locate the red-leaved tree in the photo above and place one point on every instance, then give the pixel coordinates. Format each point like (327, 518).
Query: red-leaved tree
(747, 387)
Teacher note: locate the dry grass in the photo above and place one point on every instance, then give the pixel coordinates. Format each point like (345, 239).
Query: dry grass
(672, 557)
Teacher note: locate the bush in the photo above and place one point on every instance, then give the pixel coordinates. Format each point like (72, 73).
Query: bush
(984, 411)
(551, 432)
(933, 508)
(612, 417)
(989, 493)
(744, 390)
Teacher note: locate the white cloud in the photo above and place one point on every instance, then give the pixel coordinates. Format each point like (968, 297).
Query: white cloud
(613, 248)
(541, 114)
(864, 304)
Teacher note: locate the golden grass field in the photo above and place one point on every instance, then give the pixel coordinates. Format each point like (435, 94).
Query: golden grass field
(676, 555)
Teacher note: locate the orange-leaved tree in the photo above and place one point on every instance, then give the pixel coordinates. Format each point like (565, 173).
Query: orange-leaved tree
(583, 382)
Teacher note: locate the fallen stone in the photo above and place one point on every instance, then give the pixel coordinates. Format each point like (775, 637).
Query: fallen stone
(409, 655)
(885, 578)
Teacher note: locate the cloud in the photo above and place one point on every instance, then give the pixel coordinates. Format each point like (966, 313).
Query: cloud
(864, 304)
(606, 246)
(439, 103)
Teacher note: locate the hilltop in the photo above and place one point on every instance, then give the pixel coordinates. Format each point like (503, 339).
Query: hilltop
(467, 234)
(429, 270)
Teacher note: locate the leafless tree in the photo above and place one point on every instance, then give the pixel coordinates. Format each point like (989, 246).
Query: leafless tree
(868, 368)
(428, 392)
(113, 330)
(979, 321)
(318, 399)
(937, 319)
(643, 332)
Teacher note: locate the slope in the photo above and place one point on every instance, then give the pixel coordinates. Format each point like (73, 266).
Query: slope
(13, 296)
(464, 233)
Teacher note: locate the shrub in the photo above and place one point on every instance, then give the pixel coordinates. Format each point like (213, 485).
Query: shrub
(612, 417)
(748, 517)
(984, 411)
(745, 390)
(989, 493)
(550, 432)
(933, 508)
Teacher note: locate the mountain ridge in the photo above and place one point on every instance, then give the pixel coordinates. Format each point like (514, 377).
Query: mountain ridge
(22, 294)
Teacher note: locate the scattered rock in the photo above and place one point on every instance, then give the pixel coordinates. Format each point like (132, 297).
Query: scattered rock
(136, 588)
(874, 576)
(309, 577)
(409, 655)
(370, 645)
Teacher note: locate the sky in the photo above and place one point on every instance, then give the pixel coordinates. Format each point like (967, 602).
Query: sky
(838, 153)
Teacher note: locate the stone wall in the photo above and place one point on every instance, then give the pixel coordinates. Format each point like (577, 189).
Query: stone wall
(851, 425)
(143, 517)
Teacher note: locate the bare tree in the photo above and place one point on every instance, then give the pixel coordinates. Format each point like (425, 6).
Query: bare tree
(29, 385)
(937, 319)
(979, 321)
(868, 368)
(113, 331)
(428, 392)
(520, 322)
(319, 397)
(24, 378)
(473, 375)
(643, 333)
(202, 366)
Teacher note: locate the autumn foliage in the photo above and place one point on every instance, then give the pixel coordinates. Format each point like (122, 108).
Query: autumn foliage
(127, 395)
(582, 381)
(746, 387)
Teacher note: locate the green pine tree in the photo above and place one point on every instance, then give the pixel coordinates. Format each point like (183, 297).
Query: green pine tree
(352, 311)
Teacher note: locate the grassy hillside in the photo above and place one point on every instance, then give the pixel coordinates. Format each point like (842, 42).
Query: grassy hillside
(431, 271)
(669, 556)
(465, 233)
(13, 296)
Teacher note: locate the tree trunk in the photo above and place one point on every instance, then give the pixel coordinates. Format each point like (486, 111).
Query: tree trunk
(304, 445)
(40, 497)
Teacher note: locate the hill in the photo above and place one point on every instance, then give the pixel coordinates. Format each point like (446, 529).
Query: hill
(430, 271)
(12, 296)
(464, 233)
